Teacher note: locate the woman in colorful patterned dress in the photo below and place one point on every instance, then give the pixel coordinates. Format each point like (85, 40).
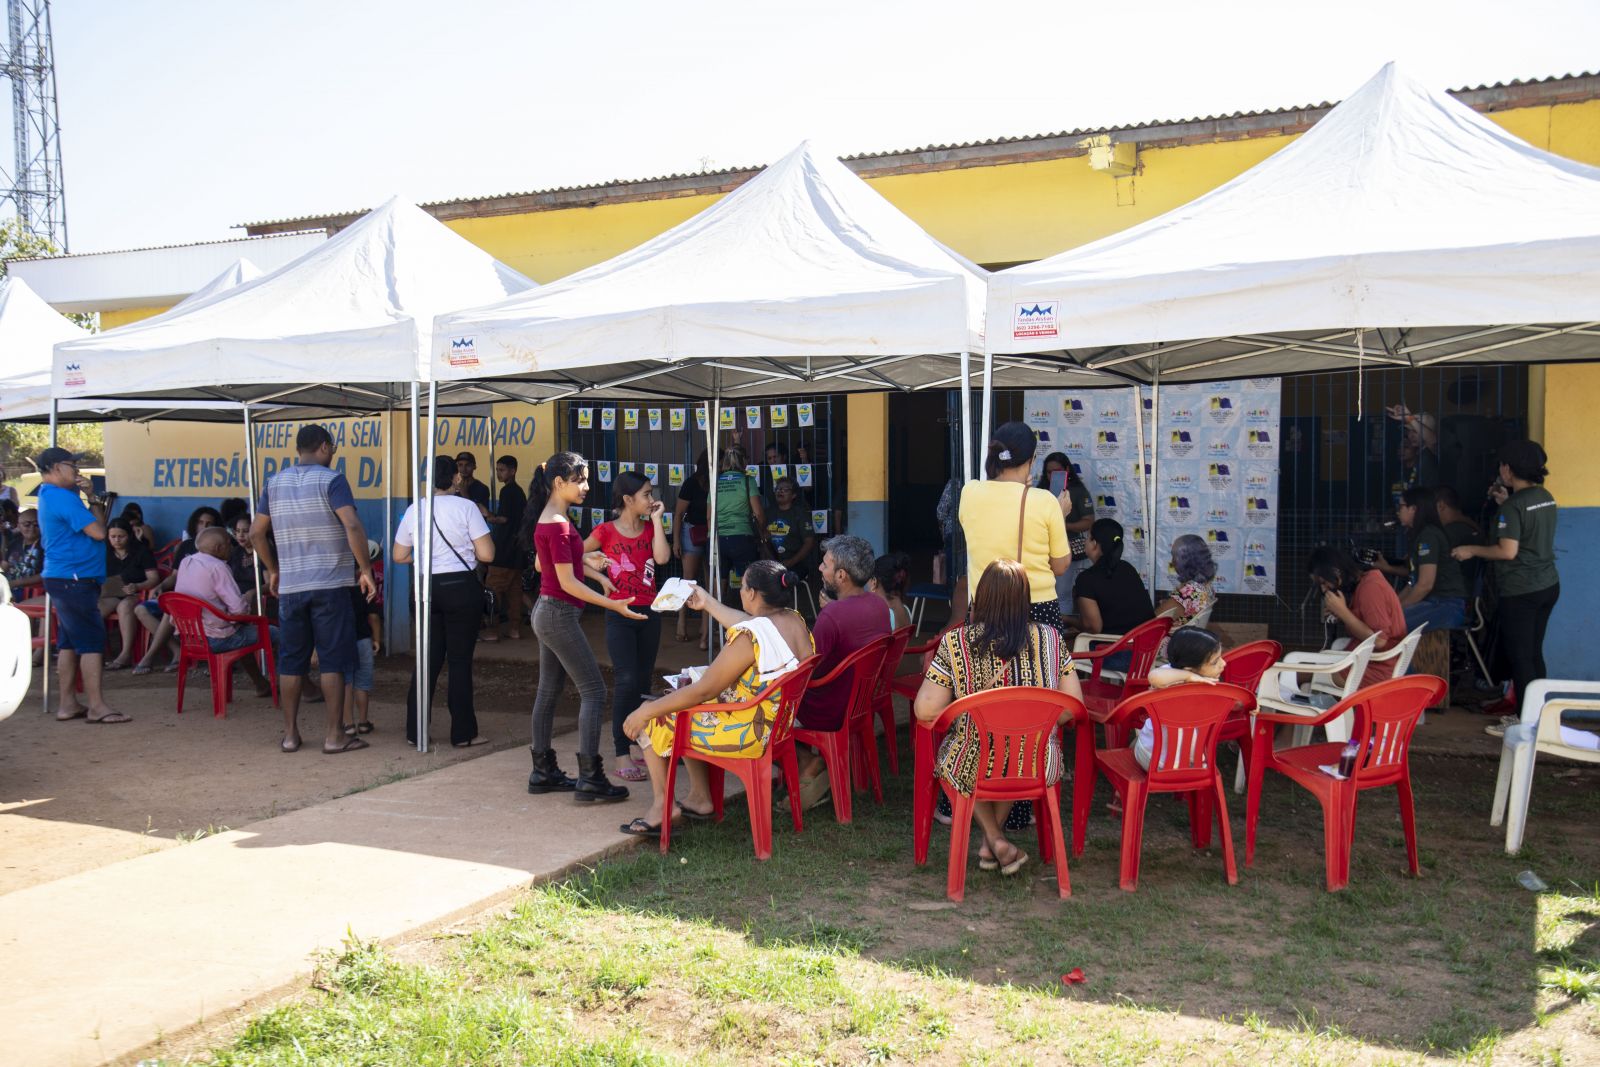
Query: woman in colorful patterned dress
(765, 641)
(998, 646)
(1195, 570)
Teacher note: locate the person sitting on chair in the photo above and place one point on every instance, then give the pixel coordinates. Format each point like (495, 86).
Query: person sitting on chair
(205, 575)
(1362, 600)
(1196, 570)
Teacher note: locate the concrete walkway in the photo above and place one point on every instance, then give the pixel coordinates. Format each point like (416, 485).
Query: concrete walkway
(99, 965)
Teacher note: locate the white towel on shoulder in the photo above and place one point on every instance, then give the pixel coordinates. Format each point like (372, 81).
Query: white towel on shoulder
(774, 657)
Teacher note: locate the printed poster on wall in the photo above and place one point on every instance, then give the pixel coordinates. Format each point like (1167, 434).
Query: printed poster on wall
(1215, 471)
(802, 475)
(700, 419)
(725, 419)
(806, 413)
(596, 516)
(675, 473)
(630, 418)
(752, 416)
(675, 419)
(608, 418)
(780, 416)
(604, 469)
(586, 418)
(652, 471)
(780, 471)
(655, 418)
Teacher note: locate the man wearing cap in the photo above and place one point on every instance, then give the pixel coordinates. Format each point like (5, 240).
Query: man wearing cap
(469, 486)
(74, 569)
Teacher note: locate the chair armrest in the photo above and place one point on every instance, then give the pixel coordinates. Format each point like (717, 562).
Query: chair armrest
(1313, 658)
(1313, 716)
(1081, 643)
(247, 618)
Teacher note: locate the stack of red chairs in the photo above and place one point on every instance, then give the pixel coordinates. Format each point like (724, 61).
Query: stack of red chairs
(883, 699)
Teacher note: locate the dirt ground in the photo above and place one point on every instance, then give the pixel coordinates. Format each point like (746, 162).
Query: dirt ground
(75, 796)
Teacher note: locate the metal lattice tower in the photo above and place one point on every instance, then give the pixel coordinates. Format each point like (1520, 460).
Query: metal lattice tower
(27, 60)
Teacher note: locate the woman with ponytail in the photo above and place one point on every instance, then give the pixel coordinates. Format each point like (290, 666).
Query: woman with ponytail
(765, 641)
(562, 482)
(1110, 595)
(1006, 518)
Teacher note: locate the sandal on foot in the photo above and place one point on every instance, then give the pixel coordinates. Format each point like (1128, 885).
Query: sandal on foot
(1009, 869)
(697, 816)
(115, 666)
(987, 863)
(640, 828)
(113, 717)
(287, 745)
(352, 745)
(632, 771)
(364, 727)
(141, 669)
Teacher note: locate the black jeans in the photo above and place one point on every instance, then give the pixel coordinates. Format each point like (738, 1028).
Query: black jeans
(1523, 620)
(453, 620)
(632, 647)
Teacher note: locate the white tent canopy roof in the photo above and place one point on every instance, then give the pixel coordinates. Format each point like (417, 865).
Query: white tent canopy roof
(1402, 212)
(354, 311)
(234, 275)
(804, 278)
(29, 331)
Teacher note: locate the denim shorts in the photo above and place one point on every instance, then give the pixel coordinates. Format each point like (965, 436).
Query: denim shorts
(362, 678)
(319, 618)
(79, 625)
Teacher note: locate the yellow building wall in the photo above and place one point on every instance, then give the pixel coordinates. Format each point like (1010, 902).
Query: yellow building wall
(110, 320)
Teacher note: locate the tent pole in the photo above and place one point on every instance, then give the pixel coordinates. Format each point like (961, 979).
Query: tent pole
(713, 557)
(1153, 520)
(44, 681)
(425, 523)
(250, 501)
(988, 400)
(967, 429)
(388, 518)
(416, 566)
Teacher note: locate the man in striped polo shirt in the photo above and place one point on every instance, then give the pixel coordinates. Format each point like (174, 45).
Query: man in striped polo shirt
(309, 511)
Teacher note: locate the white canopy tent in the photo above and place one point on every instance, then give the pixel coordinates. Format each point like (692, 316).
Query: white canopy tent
(29, 331)
(1403, 230)
(233, 275)
(345, 327)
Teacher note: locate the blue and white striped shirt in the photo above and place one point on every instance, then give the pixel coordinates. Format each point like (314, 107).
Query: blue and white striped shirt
(313, 551)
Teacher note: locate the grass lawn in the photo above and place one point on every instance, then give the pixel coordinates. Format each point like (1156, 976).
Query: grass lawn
(840, 951)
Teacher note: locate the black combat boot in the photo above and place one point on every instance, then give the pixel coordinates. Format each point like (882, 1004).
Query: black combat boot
(547, 776)
(593, 785)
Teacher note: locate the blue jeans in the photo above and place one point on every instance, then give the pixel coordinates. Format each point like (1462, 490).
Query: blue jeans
(243, 637)
(76, 602)
(319, 617)
(1440, 613)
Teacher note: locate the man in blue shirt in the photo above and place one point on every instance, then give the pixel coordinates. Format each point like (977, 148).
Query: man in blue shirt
(74, 569)
(320, 551)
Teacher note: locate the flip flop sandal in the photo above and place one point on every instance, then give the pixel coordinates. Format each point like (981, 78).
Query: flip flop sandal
(1015, 865)
(110, 720)
(365, 727)
(289, 746)
(352, 745)
(640, 828)
(115, 666)
(697, 816)
(632, 771)
(140, 670)
(987, 863)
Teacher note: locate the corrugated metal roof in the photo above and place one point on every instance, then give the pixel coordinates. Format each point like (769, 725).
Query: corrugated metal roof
(732, 173)
(188, 244)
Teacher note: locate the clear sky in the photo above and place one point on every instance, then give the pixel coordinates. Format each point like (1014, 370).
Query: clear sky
(181, 118)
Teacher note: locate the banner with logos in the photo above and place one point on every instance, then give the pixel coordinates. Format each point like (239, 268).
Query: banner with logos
(1214, 471)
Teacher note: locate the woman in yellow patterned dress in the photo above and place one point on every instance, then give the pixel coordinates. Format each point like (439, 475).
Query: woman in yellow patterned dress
(764, 642)
(999, 646)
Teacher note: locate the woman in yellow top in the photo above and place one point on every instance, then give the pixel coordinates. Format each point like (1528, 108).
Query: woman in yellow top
(1007, 518)
(765, 641)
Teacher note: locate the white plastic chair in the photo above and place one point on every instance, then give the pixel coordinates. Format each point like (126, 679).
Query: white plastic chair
(1321, 694)
(1400, 655)
(16, 653)
(1539, 730)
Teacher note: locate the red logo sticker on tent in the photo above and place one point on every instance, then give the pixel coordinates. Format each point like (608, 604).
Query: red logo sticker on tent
(1035, 319)
(75, 376)
(463, 351)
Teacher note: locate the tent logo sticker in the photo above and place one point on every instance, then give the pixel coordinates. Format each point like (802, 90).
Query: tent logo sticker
(75, 375)
(463, 351)
(1038, 319)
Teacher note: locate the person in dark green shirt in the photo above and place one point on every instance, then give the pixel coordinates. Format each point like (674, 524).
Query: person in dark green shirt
(1437, 594)
(1523, 554)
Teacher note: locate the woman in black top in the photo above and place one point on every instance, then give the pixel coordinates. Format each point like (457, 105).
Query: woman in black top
(130, 574)
(1110, 596)
(690, 535)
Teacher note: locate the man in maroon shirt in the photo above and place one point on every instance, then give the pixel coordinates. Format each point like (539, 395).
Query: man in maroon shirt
(850, 619)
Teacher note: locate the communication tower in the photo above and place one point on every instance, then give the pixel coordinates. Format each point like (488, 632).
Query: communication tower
(27, 61)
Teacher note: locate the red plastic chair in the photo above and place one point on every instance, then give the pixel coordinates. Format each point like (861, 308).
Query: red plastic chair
(1386, 715)
(1244, 667)
(165, 554)
(835, 745)
(906, 685)
(883, 699)
(187, 613)
(1187, 720)
(1014, 726)
(756, 774)
(1143, 642)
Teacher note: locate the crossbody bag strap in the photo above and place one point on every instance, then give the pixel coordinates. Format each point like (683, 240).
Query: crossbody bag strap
(1022, 516)
(434, 514)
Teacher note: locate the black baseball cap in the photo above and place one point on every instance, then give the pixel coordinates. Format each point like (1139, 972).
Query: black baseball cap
(52, 456)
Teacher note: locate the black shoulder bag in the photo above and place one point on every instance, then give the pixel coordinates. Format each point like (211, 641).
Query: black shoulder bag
(489, 600)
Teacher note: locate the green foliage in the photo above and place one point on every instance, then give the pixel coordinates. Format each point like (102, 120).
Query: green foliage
(18, 242)
(20, 442)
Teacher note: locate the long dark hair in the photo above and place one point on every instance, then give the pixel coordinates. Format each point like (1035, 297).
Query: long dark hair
(1426, 504)
(1044, 470)
(627, 484)
(1013, 443)
(702, 470)
(568, 466)
(1107, 533)
(1000, 609)
(1334, 566)
(194, 519)
(126, 526)
(892, 571)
